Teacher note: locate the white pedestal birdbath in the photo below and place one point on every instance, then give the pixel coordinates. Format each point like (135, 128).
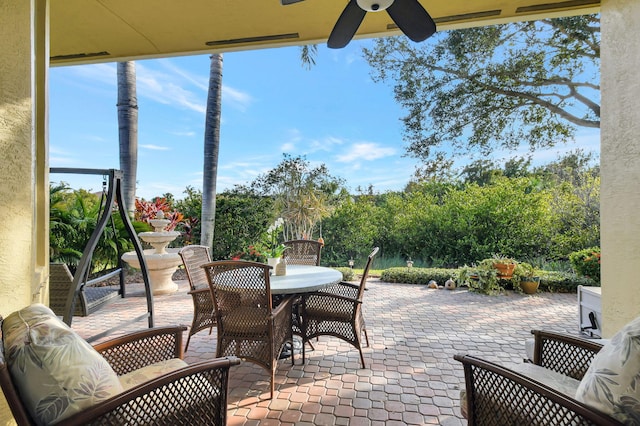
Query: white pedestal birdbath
(161, 261)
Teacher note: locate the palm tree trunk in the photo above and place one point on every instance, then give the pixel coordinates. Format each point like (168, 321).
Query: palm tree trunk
(211, 150)
(128, 131)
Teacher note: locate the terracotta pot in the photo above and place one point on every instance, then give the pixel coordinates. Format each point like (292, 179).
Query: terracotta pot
(505, 270)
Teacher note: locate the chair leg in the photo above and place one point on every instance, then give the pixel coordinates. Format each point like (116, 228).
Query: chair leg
(366, 336)
(188, 340)
(273, 379)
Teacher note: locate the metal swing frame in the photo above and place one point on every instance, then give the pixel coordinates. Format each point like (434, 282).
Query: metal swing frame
(114, 193)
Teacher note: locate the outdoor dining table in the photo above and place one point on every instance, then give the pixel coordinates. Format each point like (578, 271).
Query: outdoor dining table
(304, 279)
(301, 279)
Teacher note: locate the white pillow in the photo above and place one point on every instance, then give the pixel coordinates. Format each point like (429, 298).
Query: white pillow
(612, 382)
(57, 373)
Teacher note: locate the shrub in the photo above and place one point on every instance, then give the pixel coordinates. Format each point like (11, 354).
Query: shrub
(417, 275)
(561, 282)
(347, 273)
(586, 263)
(551, 281)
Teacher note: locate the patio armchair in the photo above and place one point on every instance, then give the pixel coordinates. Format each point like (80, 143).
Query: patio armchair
(49, 374)
(248, 326)
(571, 381)
(337, 311)
(193, 257)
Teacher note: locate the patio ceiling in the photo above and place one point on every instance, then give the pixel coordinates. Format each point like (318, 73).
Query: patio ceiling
(85, 31)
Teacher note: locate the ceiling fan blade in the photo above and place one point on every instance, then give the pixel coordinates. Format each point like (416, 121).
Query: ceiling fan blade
(346, 26)
(412, 19)
(286, 2)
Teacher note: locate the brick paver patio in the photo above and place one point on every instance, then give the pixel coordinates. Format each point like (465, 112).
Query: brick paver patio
(411, 377)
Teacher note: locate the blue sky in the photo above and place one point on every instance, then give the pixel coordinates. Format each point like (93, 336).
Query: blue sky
(332, 113)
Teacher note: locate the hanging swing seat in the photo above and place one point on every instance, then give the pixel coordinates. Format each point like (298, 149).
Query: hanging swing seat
(91, 296)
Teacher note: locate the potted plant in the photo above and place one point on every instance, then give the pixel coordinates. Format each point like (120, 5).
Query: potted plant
(270, 246)
(505, 266)
(525, 279)
(481, 277)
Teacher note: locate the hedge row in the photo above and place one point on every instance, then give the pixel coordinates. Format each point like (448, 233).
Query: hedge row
(552, 281)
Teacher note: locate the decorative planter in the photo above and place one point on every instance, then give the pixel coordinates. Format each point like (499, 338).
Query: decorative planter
(505, 270)
(530, 285)
(273, 261)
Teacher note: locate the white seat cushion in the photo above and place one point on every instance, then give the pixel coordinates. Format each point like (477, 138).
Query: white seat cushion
(150, 372)
(557, 381)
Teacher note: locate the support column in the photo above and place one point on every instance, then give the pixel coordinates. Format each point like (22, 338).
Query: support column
(620, 163)
(24, 177)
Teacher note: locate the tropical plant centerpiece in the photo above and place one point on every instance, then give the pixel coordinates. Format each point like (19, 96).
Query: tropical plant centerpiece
(269, 244)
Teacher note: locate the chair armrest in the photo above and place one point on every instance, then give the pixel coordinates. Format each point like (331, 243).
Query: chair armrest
(142, 348)
(343, 288)
(196, 394)
(336, 296)
(199, 290)
(498, 395)
(565, 354)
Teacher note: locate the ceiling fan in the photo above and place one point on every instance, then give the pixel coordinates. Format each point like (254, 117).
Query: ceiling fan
(409, 15)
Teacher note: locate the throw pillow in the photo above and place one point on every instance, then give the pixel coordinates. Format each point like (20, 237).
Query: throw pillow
(612, 382)
(56, 371)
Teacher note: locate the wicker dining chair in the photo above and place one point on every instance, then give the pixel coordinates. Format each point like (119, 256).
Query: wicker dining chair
(337, 311)
(302, 252)
(193, 257)
(248, 325)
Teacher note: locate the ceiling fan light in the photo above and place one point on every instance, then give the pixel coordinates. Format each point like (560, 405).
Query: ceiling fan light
(374, 5)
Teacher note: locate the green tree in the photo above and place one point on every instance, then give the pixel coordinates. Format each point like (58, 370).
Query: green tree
(241, 217)
(303, 195)
(128, 131)
(73, 216)
(211, 150)
(479, 89)
(191, 208)
(350, 231)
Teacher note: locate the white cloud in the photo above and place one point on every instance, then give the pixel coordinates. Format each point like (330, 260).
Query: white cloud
(103, 73)
(325, 144)
(287, 147)
(236, 98)
(365, 151)
(154, 147)
(168, 89)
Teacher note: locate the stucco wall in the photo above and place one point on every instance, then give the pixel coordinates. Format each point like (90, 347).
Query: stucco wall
(620, 162)
(17, 144)
(23, 176)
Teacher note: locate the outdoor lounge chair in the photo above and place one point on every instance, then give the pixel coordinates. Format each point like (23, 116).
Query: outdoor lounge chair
(49, 374)
(89, 299)
(248, 326)
(337, 311)
(193, 257)
(570, 382)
